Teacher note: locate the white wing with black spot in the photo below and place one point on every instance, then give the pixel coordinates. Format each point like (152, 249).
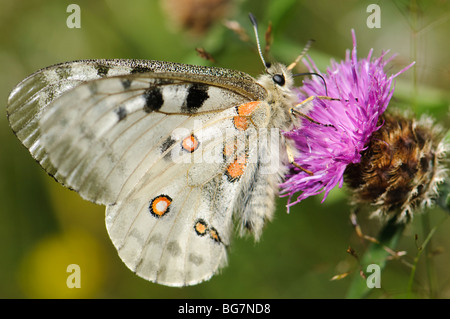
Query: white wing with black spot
(31, 97)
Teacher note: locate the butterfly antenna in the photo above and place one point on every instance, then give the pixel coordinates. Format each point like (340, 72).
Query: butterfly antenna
(255, 28)
(307, 46)
(316, 74)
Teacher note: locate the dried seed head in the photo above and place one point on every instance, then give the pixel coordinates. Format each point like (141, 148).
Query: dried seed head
(401, 167)
(196, 16)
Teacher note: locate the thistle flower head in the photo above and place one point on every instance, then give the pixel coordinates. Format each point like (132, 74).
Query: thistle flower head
(401, 168)
(364, 91)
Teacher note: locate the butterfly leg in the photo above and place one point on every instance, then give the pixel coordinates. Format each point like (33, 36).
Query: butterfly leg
(291, 159)
(314, 97)
(294, 110)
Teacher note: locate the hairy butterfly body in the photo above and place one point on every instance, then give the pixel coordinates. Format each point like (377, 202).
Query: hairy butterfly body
(176, 152)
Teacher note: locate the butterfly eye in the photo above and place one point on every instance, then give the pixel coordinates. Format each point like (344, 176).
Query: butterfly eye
(279, 79)
(268, 65)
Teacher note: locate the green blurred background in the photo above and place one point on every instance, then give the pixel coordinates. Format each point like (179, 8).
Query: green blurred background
(45, 227)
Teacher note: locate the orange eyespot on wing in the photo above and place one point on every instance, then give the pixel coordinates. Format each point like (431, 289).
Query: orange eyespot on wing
(159, 206)
(247, 108)
(201, 227)
(236, 169)
(242, 121)
(214, 235)
(190, 143)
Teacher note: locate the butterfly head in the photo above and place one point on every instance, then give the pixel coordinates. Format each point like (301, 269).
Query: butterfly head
(280, 75)
(278, 81)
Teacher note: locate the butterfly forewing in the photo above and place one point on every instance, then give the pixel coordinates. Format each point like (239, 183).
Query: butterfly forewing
(33, 95)
(30, 98)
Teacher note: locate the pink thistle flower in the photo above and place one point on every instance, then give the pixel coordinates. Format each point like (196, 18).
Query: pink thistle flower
(364, 91)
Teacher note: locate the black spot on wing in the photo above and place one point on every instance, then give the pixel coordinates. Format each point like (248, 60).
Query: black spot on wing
(167, 144)
(126, 83)
(121, 113)
(102, 70)
(197, 95)
(64, 71)
(153, 99)
(140, 69)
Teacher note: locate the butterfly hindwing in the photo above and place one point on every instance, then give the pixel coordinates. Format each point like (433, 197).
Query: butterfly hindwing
(173, 234)
(174, 229)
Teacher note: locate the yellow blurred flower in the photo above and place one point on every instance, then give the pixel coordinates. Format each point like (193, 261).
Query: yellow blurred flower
(72, 258)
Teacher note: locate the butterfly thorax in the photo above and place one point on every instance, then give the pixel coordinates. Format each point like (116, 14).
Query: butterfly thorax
(278, 82)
